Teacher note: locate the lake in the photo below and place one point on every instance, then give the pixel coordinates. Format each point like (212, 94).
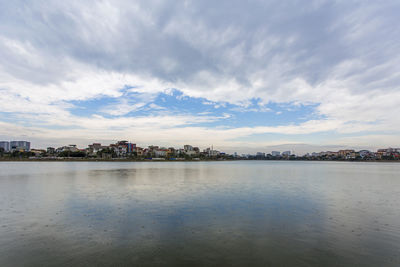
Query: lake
(236, 213)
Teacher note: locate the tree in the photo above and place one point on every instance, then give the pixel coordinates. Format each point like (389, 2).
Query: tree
(76, 154)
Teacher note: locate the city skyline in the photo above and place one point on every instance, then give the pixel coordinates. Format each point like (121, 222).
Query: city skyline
(128, 150)
(244, 77)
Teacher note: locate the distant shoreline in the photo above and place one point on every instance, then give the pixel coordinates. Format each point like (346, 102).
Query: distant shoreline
(166, 160)
(115, 160)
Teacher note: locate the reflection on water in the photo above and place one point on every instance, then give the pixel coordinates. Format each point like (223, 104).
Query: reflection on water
(200, 213)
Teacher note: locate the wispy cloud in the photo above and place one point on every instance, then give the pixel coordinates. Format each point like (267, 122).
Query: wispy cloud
(340, 57)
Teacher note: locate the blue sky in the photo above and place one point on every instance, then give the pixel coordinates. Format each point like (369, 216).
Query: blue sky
(176, 103)
(243, 76)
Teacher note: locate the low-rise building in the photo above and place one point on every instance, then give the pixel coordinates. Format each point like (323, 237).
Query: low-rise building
(51, 150)
(139, 151)
(38, 152)
(260, 154)
(364, 153)
(161, 152)
(69, 148)
(351, 155)
(275, 153)
(187, 147)
(94, 148)
(332, 154)
(345, 152)
(5, 145)
(388, 152)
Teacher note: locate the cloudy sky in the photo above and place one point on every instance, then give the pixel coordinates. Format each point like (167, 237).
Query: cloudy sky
(244, 76)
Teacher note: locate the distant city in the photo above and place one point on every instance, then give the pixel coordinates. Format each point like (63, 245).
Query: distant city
(127, 150)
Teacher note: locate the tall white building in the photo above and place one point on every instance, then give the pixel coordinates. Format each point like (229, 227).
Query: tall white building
(5, 145)
(20, 145)
(211, 152)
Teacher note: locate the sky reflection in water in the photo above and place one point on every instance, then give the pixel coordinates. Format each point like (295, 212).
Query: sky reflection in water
(201, 213)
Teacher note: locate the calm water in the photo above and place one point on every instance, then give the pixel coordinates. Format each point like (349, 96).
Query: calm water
(257, 213)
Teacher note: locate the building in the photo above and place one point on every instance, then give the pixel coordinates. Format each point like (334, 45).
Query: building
(286, 153)
(121, 148)
(260, 154)
(38, 152)
(211, 152)
(20, 146)
(331, 154)
(152, 148)
(364, 153)
(188, 148)
(94, 148)
(190, 152)
(275, 153)
(388, 152)
(5, 145)
(172, 151)
(51, 150)
(139, 151)
(131, 148)
(346, 153)
(70, 148)
(161, 152)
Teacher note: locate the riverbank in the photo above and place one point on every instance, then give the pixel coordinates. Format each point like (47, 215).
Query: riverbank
(171, 160)
(108, 160)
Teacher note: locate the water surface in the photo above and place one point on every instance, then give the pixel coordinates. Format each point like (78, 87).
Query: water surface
(241, 213)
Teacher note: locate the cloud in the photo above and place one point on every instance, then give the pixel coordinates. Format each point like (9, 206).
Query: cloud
(341, 56)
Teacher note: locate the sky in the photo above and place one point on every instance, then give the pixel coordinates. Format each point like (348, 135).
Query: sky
(242, 76)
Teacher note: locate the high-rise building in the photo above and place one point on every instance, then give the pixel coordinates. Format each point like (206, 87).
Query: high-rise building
(5, 145)
(20, 145)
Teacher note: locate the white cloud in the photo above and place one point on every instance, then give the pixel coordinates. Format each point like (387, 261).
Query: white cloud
(342, 57)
